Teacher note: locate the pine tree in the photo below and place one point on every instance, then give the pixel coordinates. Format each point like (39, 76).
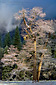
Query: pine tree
(17, 39)
(7, 40)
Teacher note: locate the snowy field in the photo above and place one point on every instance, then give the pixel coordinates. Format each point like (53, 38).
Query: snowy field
(28, 83)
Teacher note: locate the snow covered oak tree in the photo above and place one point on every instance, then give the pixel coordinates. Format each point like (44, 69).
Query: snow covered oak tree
(34, 31)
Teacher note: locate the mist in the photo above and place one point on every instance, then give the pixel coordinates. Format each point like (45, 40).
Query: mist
(6, 16)
(9, 7)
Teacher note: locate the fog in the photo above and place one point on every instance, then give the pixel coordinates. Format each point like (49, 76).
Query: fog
(9, 7)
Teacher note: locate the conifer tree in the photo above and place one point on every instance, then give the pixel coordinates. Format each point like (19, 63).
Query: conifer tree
(7, 41)
(17, 39)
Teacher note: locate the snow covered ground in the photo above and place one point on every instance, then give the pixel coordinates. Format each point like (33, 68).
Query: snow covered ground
(27, 83)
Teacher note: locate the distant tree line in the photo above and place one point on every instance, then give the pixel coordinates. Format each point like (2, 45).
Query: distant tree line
(15, 40)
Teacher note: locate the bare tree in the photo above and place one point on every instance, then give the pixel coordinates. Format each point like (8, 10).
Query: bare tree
(33, 28)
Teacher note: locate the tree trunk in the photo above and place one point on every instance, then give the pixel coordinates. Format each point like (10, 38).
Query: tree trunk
(39, 68)
(34, 65)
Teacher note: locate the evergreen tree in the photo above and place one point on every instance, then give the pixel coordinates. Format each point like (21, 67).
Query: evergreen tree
(7, 40)
(17, 39)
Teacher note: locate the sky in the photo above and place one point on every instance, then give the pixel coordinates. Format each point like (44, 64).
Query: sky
(9, 7)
